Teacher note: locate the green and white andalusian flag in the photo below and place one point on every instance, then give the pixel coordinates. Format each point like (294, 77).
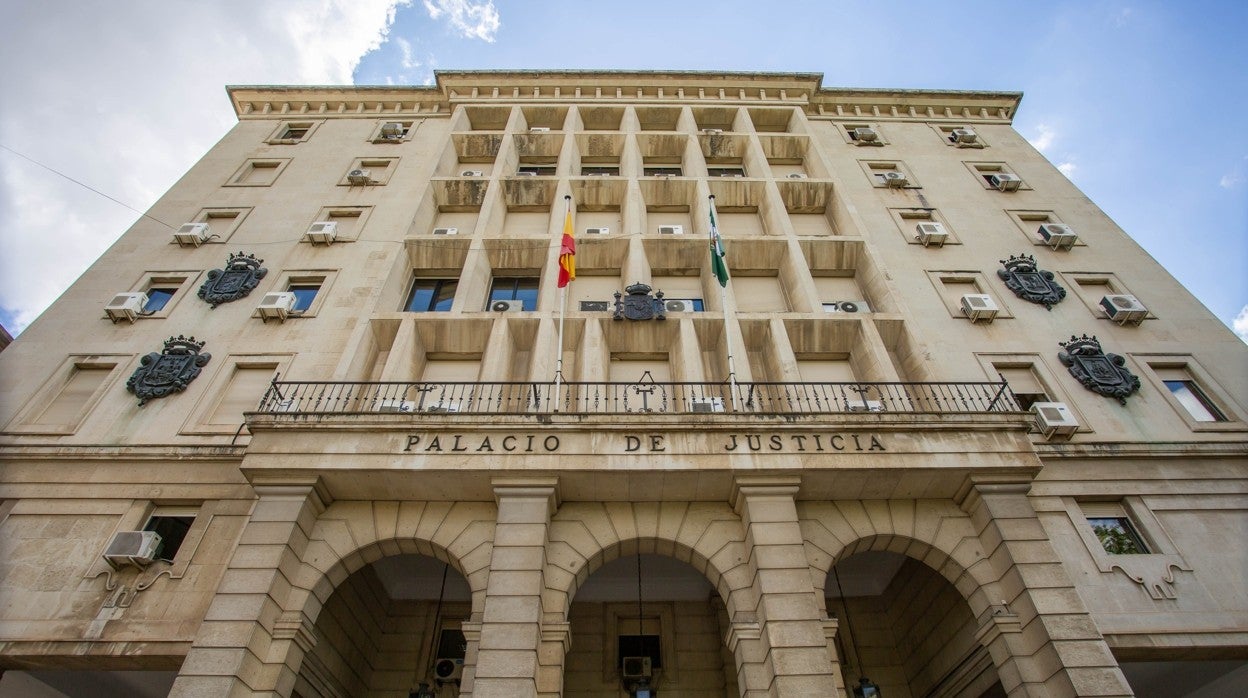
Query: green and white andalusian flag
(717, 250)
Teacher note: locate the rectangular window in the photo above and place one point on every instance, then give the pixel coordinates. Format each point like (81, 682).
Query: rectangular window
(305, 293)
(431, 295)
(292, 132)
(1194, 401)
(536, 170)
(1024, 384)
(1117, 535)
(369, 172)
(158, 298)
(662, 171)
(70, 404)
(600, 171)
(172, 528)
(257, 173)
(641, 646)
(515, 289)
(725, 171)
(247, 385)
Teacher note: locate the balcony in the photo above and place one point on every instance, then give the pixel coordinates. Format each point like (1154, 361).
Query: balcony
(641, 398)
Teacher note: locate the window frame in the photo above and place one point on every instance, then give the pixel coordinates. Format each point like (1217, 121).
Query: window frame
(337, 213)
(907, 218)
(376, 178)
(171, 514)
(439, 285)
(324, 278)
(219, 383)
(1156, 367)
(983, 170)
(875, 170)
(280, 134)
(55, 384)
(515, 291)
(175, 279)
(945, 130)
(277, 165)
(944, 279)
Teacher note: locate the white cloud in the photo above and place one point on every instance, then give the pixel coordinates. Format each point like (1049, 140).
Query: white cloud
(473, 20)
(1240, 323)
(1044, 137)
(130, 109)
(1235, 177)
(1068, 169)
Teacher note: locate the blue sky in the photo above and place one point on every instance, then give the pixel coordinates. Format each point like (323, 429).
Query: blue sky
(1142, 104)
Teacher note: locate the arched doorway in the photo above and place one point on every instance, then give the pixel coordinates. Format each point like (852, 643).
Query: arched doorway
(906, 628)
(677, 630)
(388, 627)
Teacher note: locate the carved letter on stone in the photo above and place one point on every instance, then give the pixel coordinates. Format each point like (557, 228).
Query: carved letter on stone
(170, 371)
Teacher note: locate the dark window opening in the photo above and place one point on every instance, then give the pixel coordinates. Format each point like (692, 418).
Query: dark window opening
(662, 171)
(641, 646)
(158, 298)
(172, 531)
(725, 171)
(451, 644)
(600, 170)
(431, 295)
(539, 170)
(295, 134)
(1026, 400)
(518, 289)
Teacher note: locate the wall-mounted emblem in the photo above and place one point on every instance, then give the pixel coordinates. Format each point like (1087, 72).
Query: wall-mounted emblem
(170, 371)
(1097, 371)
(241, 274)
(1029, 283)
(639, 304)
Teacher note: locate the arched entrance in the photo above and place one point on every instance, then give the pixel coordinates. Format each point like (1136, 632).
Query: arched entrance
(906, 628)
(388, 627)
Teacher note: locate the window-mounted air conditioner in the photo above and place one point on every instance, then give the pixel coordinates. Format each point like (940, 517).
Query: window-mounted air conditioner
(635, 668)
(671, 230)
(932, 234)
(978, 306)
(393, 405)
(539, 129)
(595, 306)
(323, 231)
(126, 306)
(442, 408)
(392, 131)
(1054, 419)
(598, 231)
(137, 548)
(730, 174)
(865, 135)
(865, 406)
(1058, 236)
(1124, 308)
(448, 669)
(846, 307)
(963, 135)
(526, 174)
(446, 231)
(795, 175)
(276, 305)
(359, 176)
(191, 234)
(507, 306)
(712, 131)
(896, 179)
(678, 305)
(1004, 181)
(472, 173)
(706, 404)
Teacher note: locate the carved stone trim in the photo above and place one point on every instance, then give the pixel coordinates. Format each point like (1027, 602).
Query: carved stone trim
(170, 371)
(242, 273)
(293, 625)
(1029, 283)
(1098, 371)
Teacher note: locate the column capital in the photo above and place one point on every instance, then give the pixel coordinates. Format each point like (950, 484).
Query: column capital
(762, 486)
(532, 487)
(293, 625)
(974, 487)
(294, 487)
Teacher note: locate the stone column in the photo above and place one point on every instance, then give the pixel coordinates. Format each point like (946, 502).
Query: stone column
(247, 644)
(1036, 628)
(790, 625)
(511, 621)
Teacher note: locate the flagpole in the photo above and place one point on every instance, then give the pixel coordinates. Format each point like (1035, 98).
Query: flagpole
(732, 370)
(717, 254)
(563, 305)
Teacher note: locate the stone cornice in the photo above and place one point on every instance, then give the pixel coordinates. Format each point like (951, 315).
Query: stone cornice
(1136, 450)
(97, 452)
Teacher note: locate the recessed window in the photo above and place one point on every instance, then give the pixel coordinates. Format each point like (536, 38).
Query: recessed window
(924, 226)
(392, 132)
(1117, 535)
(523, 289)
(960, 135)
(369, 172)
(65, 400)
(1024, 384)
(222, 222)
(348, 220)
(431, 295)
(158, 298)
(662, 171)
(725, 171)
(891, 175)
(600, 171)
(172, 530)
(863, 134)
(257, 173)
(1193, 399)
(997, 176)
(292, 132)
(640, 646)
(536, 171)
(305, 293)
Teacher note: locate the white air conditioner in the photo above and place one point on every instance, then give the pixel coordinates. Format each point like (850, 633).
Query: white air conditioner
(191, 234)
(443, 408)
(526, 174)
(323, 231)
(895, 179)
(846, 307)
(963, 135)
(276, 305)
(1004, 181)
(472, 173)
(671, 230)
(1124, 308)
(393, 405)
(392, 130)
(706, 404)
(679, 305)
(856, 405)
(539, 129)
(1058, 236)
(1054, 418)
(632, 668)
(137, 548)
(126, 306)
(712, 131)
(448, 669)
(865, 135)
(359, 177)
(446, 231)
(978, 306)
(508, 306)
(932, 234)
(795, 175)
(598, 231)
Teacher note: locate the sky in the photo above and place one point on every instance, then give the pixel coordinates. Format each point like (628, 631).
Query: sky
(1142, 104)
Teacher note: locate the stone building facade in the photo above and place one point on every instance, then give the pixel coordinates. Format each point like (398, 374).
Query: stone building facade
(946, 428)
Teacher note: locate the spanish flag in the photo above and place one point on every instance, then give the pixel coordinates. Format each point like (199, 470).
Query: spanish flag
(567, 252)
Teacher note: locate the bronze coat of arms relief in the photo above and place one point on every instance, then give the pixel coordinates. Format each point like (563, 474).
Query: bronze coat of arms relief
(639, 304)
(1097, 371)
(1029, 283)
(241, 274)
(170, 371)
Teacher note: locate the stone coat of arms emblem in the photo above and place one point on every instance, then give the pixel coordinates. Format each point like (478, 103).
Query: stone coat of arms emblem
(170, 371)
(1097, 371)
(639, 304)
(1029, 283)
(241, 274)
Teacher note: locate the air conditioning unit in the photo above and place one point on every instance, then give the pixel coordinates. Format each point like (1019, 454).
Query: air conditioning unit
(795, 175)
(978, 306)
(446, 231)
(359, 177)
(539, 129)
(846, 307)
(323, 231)
(1124, 308)
(393, 405)
(448, 669)
(595, 306)
(126, 306)
(276, 305)
(671, 230)
(712, 131)
(706, 404)
(632, 668)
(865, 406)
(442, 408)
(1006, 182)
(191, 234)
(472, 173)
(932, 234)
(865, 135)
(526, 174)
(895, 179)
(678, 305)
(508, 306)
(137, 548)
(1054, 418)
(598, 231)
(1058, 236)
(963, 135)
(392, 130)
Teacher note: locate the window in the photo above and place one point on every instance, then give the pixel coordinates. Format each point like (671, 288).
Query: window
(954, 285)
(862, 134)
(1024, 384)
(305, 293)
(172, 528)
(725, 171)
(960, 135)
(158, 298)
(1191, 391)
(222, 222)
(1197, 404)
(349, 220)
(292, 132)
(641, 646)
(536, 170)
(916, 227)
(369, 171)
(257, 173)
(1117, 535)
(163, 290)
(662, 171)
(600, 171)
(990, 174)
(889, 174)
(392, 131)
(515, 289)
(65, 400)
(431, 295)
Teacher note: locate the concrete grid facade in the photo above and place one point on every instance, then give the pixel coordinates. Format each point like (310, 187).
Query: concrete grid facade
(863, 496)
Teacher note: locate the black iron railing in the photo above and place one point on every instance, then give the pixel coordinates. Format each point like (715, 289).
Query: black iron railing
(329, 397)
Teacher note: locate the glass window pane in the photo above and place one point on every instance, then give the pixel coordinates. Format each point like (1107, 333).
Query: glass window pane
(304, 295)
(445, 295)
(158, 298)
(1194, 401)
(1117, 535)
(419, 300)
